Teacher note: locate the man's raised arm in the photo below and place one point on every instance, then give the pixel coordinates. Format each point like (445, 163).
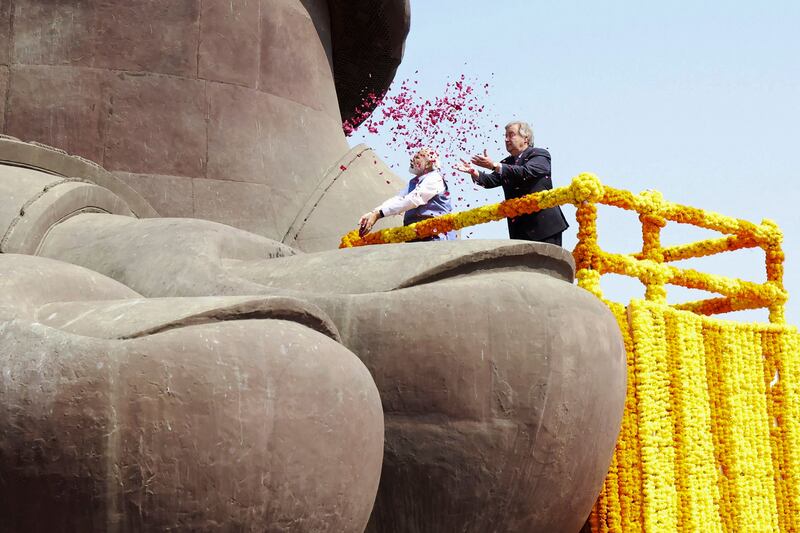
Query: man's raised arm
(487, 180)
(534, 169)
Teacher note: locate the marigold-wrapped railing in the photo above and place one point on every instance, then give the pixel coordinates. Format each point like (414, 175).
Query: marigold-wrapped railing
(649, 265)
(710, 438)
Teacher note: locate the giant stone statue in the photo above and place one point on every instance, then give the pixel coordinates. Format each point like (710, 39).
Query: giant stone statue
(183, 348)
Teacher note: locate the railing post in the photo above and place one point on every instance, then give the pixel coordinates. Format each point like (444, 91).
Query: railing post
(587, 190)
(771, 237)
(652, 222)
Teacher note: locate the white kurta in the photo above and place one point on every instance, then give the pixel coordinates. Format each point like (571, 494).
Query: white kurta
(429, 186)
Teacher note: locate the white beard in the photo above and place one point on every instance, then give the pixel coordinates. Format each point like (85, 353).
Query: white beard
(417, 171)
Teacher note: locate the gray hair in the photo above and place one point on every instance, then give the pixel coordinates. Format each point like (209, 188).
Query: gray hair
(524, 129)
(432, 156)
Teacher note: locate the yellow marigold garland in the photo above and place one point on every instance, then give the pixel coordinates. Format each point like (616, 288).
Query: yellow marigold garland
(480, 215)
(774, 410)
(755, 479)
(782, 380)
(659, 490)
(718, 415)
(691, 414)
(623, 491)
(586, 251)
(741, 433)
(630, 451)
(707, 247)
(716, 306)
(720, 431)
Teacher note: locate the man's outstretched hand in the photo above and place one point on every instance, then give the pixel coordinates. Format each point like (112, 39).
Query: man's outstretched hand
(465, 167)
(366, 222)
(483, 160)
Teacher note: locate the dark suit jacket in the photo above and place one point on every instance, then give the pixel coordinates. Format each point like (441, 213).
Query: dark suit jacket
(527, 173)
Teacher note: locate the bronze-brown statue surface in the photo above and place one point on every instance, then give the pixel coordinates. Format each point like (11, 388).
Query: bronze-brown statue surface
(223, 110)
(121, 413)
(160, 371)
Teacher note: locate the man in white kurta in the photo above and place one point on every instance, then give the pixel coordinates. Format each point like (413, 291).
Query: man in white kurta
(425, 197)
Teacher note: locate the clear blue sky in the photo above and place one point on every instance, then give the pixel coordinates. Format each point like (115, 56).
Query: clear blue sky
(700, 101)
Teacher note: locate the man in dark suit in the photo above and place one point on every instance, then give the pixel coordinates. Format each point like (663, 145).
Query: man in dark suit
(525, 171)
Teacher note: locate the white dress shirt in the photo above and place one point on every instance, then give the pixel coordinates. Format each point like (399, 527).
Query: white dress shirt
(429, 186)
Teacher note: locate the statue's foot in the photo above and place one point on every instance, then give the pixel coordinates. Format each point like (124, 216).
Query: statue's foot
(502, 383)
(183, 413)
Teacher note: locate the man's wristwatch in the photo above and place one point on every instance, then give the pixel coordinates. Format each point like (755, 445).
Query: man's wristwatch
(380, 213)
